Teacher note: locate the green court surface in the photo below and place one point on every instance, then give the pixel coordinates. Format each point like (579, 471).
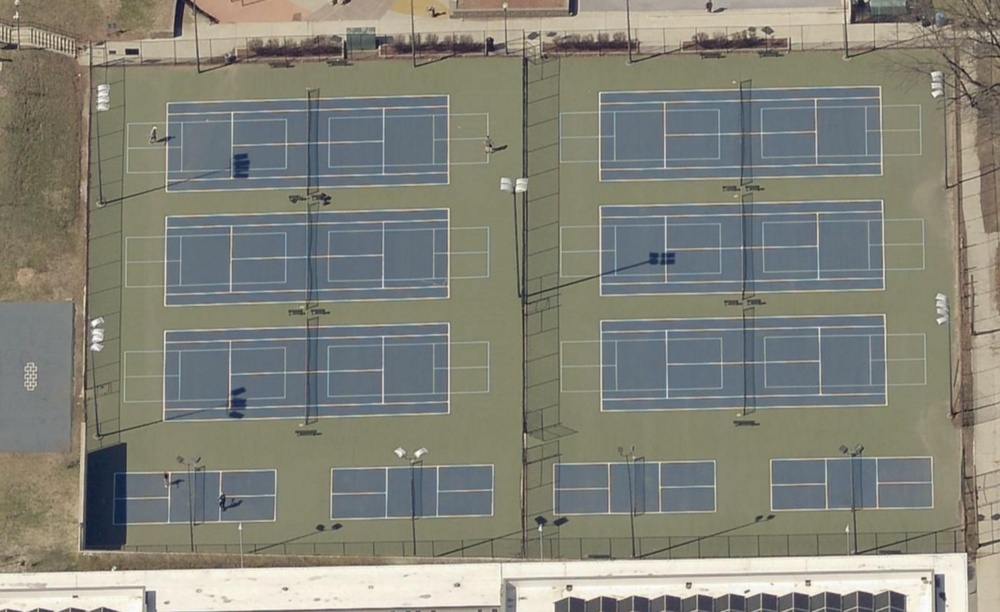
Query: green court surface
(267, 378)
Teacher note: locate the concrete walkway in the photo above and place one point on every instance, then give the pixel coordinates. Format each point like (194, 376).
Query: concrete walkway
(806, 28)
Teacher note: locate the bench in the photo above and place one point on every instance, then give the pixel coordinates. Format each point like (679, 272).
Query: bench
(296, 311)
(770, 53)
(319, 311)
(745, 423)
(306, 432)
(337, 61)
(280, 64)
(712, 55)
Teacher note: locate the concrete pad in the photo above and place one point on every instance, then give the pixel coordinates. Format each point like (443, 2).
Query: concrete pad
(36, 376)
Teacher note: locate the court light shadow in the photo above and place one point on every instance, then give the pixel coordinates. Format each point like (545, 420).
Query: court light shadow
(186, 415)
(433, 60)
(665, 52)
(216, 67)
(760, 518)
(478, 543)
(163, 186)
(887, 548)
(318, 529)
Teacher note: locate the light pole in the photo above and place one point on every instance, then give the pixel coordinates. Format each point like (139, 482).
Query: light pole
(628, 32)
(197, 46)
(847, 51)
(413, 37)
(944, 318)
(854, 453)
(413, 459)
(515, 187)
(506, 51)
(17, 22)
(541, 541)
(191, 465)
(630, 462)
(240, 529)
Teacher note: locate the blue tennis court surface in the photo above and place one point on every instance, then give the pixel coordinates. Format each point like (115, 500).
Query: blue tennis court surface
(295, 143)
(657, 487)
(438, 491)
(333, 370)
(729, 134)
(262, 258)
(825, 484)
(726, 248)
(769, 362)
(177, 497)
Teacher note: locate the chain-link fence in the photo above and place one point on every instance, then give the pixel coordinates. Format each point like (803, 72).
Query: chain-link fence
(667, 547)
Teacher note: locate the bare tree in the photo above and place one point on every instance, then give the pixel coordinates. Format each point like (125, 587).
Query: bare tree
(968, 43)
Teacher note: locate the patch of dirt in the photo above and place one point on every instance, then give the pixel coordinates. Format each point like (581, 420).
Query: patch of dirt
(38, 514)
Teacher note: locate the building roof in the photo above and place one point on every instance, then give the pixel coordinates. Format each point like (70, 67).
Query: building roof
(924, 580)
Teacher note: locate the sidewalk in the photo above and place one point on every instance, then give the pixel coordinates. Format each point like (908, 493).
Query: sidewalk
(807, 28)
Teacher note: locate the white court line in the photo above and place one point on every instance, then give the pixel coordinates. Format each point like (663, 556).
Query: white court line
(232, 149)
(817, 222)
(816, 140)
(126, 376)
(200, 114)
(666, 360)
(819, 353)
(918, 130)
(921, 359)
(230, 259)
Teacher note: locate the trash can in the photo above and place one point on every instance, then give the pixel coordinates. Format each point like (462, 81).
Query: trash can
(490, 48)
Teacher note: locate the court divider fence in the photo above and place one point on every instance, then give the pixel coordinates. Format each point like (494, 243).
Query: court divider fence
(647, 42)
(674, 547)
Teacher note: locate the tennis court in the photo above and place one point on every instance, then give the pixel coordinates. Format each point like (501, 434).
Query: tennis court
(740, 133)
(645, 487)
(194, 496)
(276, 373)
(766, 362)
(423, 491)
(260, 308)
(878, 483)
(729, 248)
(307, 142)
(303, 257)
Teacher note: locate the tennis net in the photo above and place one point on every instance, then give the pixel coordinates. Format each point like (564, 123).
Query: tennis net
(312, 140)
(749, 362)
(312, 349)
(747, 251)
(746, 130)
